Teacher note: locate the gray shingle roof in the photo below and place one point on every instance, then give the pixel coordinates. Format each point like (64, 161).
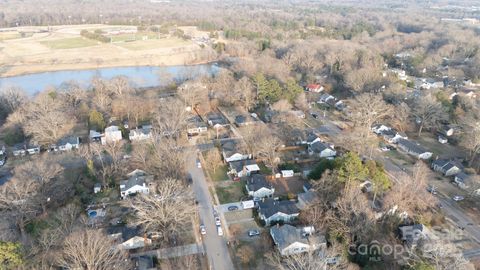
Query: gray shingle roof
(269, 207)
(258, 181)
(238, 165)
(411, 146)
(285, 235)
(318, 147)
(69, 139)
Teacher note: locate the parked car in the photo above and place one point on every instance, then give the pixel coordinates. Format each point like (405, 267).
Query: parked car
(203, 230)
(199, 164)
(314, 115)
(458, 198)
(233, 208)
(253, 233)
(217, 221)
(219, 231)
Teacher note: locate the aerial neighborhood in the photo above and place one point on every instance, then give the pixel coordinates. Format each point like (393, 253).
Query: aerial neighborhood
(240, 135)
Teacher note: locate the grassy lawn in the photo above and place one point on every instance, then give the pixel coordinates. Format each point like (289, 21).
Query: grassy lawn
(130, 37)
(264, 169)
(153, 44)
(69, 43)
(230, 193)
(9, 35)
(220, 173)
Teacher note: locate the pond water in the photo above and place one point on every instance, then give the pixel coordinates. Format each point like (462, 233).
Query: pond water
(139, 76)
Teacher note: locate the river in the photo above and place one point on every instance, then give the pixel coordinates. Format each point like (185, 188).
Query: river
(139, 76)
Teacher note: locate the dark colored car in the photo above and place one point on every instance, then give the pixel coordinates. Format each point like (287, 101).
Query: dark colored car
(232, 208)
(314, 115)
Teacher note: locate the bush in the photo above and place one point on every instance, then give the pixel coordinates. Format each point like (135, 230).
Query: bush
(290, 166)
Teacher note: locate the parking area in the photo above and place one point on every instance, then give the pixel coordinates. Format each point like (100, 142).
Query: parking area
(240, 230)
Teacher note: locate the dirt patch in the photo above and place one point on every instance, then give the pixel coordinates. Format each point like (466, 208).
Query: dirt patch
(238, 216)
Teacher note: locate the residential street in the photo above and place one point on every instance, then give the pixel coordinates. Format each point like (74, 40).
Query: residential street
(215, 246)
(450, 207)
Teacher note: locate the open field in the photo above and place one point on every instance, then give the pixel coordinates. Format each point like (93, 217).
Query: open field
(154, 43)
(62, 48)
(9, 35)
(69, 43)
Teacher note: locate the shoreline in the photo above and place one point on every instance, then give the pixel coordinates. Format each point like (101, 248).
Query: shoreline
(88, 66)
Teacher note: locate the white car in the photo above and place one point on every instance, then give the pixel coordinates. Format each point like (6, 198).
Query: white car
(217, 221)
(458, 198)
(219, 231)
(203, 231)
(199, 165)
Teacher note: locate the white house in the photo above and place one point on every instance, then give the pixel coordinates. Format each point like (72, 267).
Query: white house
(140, 134)
(446, 167)
(290, 240)
(322, 150)
(243, 168)
(68, 143)
(414, 149)
(136, 183)
(258, 187)
(463, 180)
(135, 242)
(230, 152)
(272, 211)
(112, 134)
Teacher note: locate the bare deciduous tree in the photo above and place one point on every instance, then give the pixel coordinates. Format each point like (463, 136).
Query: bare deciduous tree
(17, 202)
(428, 112)
(46, 119)
(42, 171)
(213, 159)
(167, 211)
(246, 91)
(471, 138)
(171, 117)
(92, 250)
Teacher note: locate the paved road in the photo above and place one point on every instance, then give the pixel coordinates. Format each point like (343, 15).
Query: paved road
(450, 207)
(215, 246)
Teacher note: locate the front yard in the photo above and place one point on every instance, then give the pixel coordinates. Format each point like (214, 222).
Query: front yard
(230, 191)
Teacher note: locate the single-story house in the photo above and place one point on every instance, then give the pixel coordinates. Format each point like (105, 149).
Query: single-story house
(231, 152)
(68, 143)
(127, 237)
(195, 126)
(241, 168)
(215, 119)
(447, 167)
(321, 149)
(414, 149)
(410, 235)
(112, 134)
(258, 187)
(272, 211)
(19, 150)
(327, 99)
(140, 134)
(136, 183)
(290, 240)
(307, 199)
(378, 129)
(314, 87)
(463, 180)
(95, 136)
